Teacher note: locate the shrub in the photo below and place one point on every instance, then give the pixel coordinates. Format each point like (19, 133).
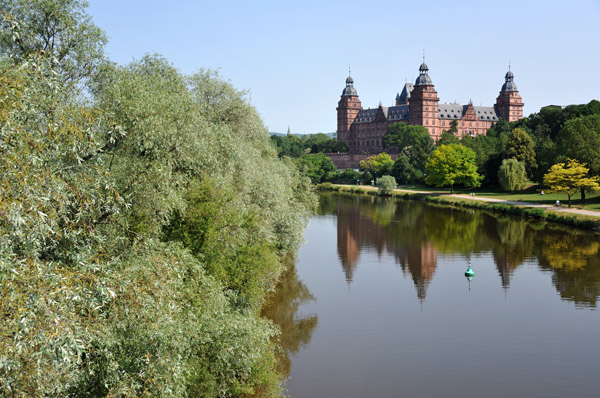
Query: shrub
(386, 185)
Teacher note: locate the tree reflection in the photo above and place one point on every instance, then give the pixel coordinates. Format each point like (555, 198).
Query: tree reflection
(516, 242)
(282, 310)
(414, 233)
(574, 259)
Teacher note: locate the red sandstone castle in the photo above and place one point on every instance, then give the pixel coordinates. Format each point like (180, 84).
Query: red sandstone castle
(363, 129)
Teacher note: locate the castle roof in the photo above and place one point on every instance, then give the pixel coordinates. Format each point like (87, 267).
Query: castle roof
(405, 95)
(457, 111)
(399, 112)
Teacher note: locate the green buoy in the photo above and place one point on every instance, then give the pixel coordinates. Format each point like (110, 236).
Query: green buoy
(469, 273)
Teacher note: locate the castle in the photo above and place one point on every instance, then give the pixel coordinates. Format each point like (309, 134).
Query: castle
(363, 129)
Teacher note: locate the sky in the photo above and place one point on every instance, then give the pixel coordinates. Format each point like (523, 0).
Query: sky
(293, 57)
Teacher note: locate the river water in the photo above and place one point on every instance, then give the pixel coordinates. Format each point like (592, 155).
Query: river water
(377, 304)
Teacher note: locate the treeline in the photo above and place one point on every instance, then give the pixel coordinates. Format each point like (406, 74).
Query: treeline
(144, 216)
(297, 146)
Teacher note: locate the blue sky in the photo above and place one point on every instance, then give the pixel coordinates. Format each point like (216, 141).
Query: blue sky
(293, 57)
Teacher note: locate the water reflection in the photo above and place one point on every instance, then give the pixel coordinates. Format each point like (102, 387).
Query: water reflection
(414, 233)
(282, 309)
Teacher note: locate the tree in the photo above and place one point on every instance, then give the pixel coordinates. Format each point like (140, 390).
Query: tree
(580, 139)
(488, 151)
(512, 175)
(377, 165)
(322, 143)
(386, 184)
(288, 146)
(315, 166)
(412, 140)
(520, 146)
(452, 164)
(405, 172)
(88, 194)
(570, 177)
(448, 138)
(59, 30)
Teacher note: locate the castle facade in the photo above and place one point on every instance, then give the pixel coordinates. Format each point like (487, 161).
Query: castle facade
(363, 129)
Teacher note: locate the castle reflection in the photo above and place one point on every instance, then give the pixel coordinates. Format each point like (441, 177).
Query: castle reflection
(415, 233)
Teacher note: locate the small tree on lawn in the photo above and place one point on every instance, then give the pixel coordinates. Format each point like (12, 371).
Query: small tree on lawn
(570, 177)
(386, 184)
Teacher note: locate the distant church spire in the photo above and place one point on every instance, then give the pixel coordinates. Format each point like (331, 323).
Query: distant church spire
(289, 132)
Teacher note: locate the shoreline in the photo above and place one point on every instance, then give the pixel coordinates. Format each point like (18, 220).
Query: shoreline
(580, 218)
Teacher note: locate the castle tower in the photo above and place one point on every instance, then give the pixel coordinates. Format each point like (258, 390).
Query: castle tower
(509, 104)
(348, 107)
(424, 103)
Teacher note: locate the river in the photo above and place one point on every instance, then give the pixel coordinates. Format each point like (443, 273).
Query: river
(377, 304)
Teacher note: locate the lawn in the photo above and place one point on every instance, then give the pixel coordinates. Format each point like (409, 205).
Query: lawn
(531, 195)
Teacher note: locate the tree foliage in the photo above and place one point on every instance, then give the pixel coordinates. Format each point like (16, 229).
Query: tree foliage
(405, 172)
(580, 139)
(570, 177)
(512, 175)
(452, 164)
(296, 146)
(60, 30)
(520, 146)
(316, 167)
(377, 165)
(386, 184)
(413, 141)
(141, 226)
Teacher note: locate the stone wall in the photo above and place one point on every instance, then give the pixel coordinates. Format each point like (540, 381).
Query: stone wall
(350, 160)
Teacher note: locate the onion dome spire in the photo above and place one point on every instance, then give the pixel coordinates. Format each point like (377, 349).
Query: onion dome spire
(349, 90)
(423, 78)
(509, 84)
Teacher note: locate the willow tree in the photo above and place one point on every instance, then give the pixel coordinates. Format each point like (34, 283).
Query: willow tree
(512, 175)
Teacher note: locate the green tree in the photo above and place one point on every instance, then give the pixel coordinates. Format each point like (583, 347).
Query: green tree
(377, 165)
(315, 166)
(488, 150)
(580, 139)
(346, 176)
(520, 146)
(413, 141)
(386, 184)
(61, 31)
(322, 143)
(448, 138)
(570, 177)
(288, 146)
(452, 164)
(88, 193)
(512, 175)
(405, 172)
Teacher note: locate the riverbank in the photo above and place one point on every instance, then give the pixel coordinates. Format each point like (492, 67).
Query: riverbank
(577, 217)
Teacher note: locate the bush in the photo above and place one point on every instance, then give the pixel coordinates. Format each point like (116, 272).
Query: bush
(386, 185)
(535, 212)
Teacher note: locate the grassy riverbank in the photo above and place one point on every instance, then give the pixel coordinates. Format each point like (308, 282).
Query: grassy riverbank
(527, 204)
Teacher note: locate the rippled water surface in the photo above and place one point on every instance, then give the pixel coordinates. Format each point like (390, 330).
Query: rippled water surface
(378, 305)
